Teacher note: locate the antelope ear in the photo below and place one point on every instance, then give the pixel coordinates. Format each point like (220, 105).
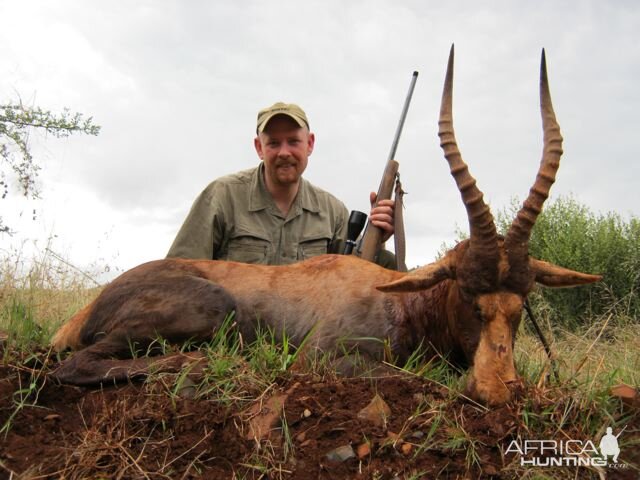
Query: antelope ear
(551, 275)
(421, 278)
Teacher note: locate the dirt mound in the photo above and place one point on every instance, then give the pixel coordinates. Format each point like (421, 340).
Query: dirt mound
(302, 427)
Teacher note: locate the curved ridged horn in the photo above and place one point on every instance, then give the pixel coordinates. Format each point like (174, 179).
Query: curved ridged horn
(520, 231)
(483, 232)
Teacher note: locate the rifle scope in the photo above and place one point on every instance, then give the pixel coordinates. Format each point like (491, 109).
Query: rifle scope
(356, 223)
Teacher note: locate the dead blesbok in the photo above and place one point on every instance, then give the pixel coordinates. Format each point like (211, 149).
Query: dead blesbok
(467, 305)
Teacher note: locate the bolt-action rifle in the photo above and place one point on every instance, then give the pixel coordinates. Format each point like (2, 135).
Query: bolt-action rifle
(372, 237)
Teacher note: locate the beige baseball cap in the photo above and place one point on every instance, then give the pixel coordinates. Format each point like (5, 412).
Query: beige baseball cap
(289, 109)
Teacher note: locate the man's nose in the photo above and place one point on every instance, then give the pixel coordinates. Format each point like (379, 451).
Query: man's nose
(284, 151)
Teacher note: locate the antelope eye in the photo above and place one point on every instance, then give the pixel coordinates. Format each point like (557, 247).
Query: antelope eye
(477, 311)
(468, 296)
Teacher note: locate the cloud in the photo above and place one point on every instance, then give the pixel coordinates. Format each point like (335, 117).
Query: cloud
(176, 87)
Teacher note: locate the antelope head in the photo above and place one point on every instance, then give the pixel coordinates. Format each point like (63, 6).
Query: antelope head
(490, 275)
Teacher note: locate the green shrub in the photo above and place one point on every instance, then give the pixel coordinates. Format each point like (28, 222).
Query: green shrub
(569, 234)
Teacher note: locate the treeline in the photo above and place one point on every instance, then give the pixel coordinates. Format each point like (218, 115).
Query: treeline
(569, 234)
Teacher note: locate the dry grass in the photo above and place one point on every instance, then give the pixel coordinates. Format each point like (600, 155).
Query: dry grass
(587, 356)
(119, 440)
(46, 287)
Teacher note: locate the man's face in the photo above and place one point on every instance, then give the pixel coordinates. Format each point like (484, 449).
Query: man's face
(285, 148)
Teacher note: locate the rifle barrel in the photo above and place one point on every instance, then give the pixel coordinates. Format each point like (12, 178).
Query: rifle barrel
(372, 237)
(403, 116)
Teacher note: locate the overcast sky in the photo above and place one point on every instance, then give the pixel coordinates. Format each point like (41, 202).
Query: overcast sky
(176, 86)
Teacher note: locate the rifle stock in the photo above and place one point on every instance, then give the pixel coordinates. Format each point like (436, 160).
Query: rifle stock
(372, 237)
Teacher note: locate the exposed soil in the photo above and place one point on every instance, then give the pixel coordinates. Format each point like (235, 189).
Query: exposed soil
(140, 431)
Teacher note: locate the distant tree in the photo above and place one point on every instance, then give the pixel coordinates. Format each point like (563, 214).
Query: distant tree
(570, 234)
(17, 165)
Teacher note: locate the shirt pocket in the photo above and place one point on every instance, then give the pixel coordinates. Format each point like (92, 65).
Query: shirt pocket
(312, 247)
(248, 249)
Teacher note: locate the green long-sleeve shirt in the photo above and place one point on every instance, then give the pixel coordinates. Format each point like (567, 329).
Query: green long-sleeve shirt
(235, 218)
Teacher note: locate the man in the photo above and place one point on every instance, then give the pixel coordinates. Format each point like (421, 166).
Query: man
(270, 214)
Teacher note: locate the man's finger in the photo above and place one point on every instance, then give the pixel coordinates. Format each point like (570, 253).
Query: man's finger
(372, 198)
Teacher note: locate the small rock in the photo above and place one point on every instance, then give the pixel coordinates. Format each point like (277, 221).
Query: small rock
(418, 434)
(301, 437)
(187, 389)
(53, 416)
(264, 417)
(627, 394)
(363, 450)
(376, 412)
(306, 413)
(341, 454)
(406, 448)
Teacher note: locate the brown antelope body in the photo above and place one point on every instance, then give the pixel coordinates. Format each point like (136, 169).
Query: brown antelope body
(466, 305)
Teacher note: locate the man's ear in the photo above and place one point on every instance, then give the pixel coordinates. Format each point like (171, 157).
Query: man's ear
(258, 146)
(310, 143)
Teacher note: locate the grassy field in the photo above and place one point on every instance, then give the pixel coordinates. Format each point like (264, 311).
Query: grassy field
(251, 411)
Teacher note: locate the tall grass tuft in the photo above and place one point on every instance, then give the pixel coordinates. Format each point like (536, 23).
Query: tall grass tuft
(38, 294)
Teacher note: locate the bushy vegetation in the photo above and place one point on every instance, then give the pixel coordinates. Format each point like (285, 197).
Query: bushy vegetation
(569, 234)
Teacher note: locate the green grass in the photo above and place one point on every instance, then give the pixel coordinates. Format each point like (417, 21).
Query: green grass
(603, 352)
(27, 394)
